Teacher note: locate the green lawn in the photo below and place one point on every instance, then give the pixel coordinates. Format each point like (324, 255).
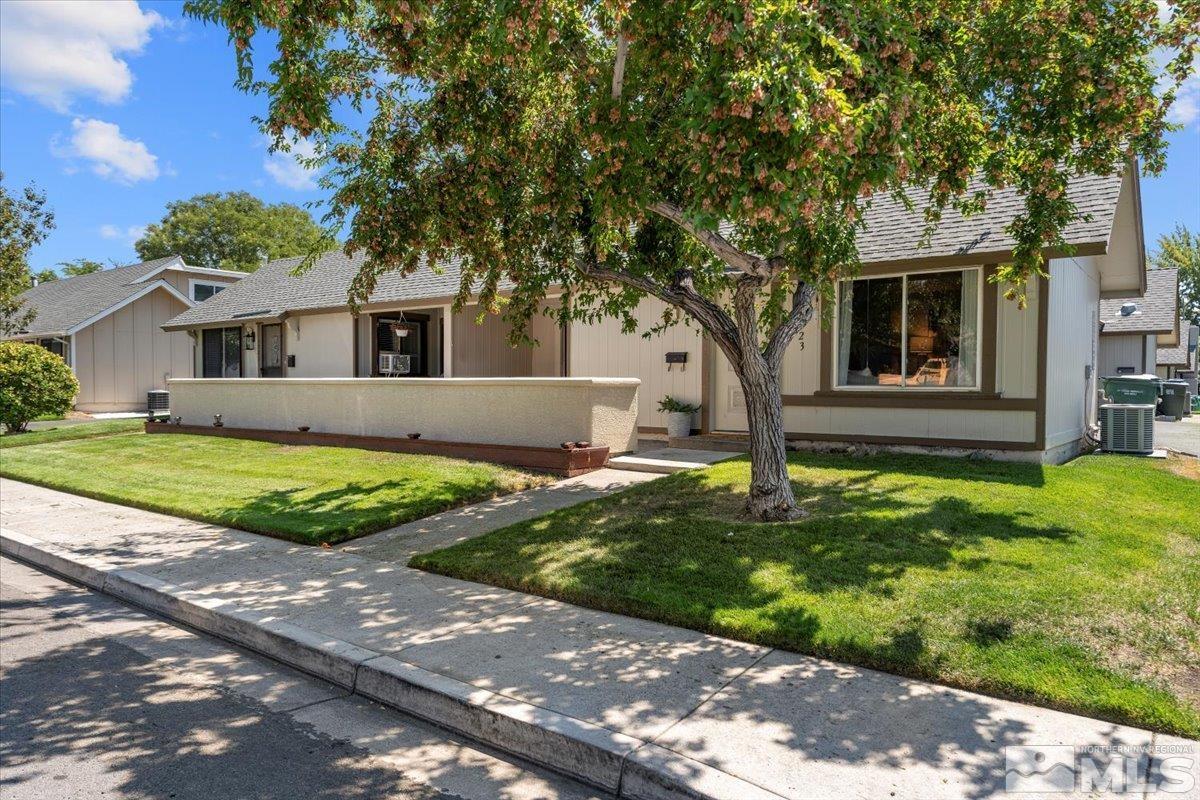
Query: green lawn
(64, 433)
(1076, 586)
(306, 494)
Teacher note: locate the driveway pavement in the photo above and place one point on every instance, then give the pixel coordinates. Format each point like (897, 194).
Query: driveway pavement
(634, 706)
(1182, 436)
(102, 700)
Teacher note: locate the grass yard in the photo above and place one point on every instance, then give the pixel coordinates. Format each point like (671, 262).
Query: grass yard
(65, 433)
(1076, 587)
(307, 494)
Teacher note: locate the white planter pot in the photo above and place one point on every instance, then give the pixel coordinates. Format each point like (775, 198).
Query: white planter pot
(679, 424)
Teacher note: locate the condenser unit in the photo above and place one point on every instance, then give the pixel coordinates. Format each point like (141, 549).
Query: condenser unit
(1126, 428)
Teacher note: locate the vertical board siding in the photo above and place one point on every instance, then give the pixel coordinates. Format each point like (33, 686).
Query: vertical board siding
(1125, 350)
(1074, 306)
(482, 351)
(1017, 344)
(126, 354)
(602, 350)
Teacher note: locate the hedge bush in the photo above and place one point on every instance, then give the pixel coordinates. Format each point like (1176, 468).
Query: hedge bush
(33, 382)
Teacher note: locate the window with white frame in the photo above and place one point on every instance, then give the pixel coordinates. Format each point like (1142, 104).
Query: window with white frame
(918, 330)
(202, 290)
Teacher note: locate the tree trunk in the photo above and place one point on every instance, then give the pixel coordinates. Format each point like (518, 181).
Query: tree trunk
(771, 498)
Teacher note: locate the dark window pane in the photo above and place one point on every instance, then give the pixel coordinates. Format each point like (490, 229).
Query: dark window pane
(212, 353)
(869, 332)
(942, 315)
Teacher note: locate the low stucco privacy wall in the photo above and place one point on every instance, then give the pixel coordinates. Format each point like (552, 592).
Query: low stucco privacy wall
(534, 412)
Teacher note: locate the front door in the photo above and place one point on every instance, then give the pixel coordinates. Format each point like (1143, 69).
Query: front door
(729, 401)
(272, 351)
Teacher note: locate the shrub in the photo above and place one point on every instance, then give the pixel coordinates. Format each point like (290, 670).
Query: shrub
(670, 405)
(33, 383)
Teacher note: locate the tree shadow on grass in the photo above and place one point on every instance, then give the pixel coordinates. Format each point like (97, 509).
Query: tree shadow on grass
(349, 510)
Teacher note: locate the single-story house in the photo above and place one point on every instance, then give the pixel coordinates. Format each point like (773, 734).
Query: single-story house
(107, 326)
(924, 350)
(1177, 355)
(1132, 327)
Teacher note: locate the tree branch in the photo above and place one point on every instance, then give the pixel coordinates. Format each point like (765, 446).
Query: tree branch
(680, 294)
(797, 319)
(618, 80)
(718, 244)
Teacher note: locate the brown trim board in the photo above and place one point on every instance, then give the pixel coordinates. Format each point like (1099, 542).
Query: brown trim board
(903, 441)
(706, 369)
(1043, 344)
(957, 401)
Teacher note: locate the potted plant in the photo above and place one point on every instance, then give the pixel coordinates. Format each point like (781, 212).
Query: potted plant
(679, 416)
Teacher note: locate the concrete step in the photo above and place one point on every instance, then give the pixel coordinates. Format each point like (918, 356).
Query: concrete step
(667, 460)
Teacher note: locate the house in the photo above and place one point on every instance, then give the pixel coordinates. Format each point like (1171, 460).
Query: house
(1133, 326)
(923, 350)
(1177, 355)
(107, 326)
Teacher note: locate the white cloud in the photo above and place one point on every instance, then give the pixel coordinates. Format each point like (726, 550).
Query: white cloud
(288, 171)
(130, 234)
(111, 154)
(54, 50)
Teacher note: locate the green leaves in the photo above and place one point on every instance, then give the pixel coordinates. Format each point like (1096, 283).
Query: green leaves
(234, 230)
(504, 133)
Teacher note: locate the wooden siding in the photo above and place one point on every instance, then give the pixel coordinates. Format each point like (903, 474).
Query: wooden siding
(482, 351)
(602, 350)
(124, 355)
(1071, 348)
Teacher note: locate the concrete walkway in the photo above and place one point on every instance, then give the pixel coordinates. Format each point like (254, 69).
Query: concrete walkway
(636, 708)
(1182, 436)
(450, 527)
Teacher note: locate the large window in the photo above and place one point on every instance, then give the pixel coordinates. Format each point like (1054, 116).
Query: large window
(919, 330)
(222, 353)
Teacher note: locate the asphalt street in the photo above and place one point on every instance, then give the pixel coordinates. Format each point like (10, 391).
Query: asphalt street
(100, 700)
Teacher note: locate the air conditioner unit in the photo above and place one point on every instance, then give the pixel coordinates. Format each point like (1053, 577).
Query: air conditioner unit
(1126, 428)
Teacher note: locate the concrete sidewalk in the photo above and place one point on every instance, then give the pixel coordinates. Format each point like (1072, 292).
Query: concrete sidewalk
(636, 708)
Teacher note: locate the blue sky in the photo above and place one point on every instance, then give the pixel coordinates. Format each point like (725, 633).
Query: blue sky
(116, 109)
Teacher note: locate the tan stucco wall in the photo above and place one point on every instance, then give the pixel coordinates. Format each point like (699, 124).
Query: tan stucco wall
(323, 345)
(539, 412)
(122, 356)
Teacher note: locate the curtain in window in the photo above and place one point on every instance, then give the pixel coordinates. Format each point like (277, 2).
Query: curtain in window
(968, 340)
(844, 314)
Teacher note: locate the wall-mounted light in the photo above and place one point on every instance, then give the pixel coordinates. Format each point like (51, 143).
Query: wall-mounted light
(250, 339)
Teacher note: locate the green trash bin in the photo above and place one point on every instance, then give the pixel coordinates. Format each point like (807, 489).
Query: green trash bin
(1174, 398)
(1139, 390)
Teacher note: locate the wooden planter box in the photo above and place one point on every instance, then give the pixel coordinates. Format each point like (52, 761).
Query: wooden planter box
(548, 459)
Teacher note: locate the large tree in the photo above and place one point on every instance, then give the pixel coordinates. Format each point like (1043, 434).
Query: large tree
(231, 230)
(1180, 249)
(25, 222)
(80, 266)
(715, 154)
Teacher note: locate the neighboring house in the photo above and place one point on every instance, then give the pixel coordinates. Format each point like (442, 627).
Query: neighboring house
(923, 349)
(1133, 326)
(107, 326)
(1177, 355)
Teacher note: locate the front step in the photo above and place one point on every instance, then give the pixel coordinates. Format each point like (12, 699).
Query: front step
(667, 460)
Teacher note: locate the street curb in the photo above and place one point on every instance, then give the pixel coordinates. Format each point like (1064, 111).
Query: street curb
(624, 765)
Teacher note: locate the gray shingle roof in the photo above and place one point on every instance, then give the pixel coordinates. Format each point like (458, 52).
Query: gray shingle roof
(61, 305)
(1178, 355)
(273, 290)
(892, 233)
(1157, 310)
